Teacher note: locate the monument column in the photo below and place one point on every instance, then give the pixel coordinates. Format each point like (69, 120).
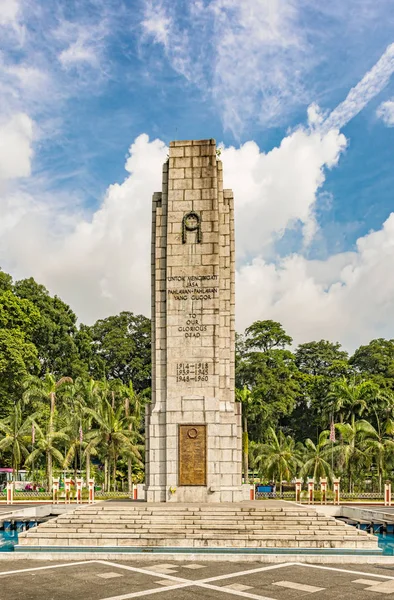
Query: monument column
(193, 425)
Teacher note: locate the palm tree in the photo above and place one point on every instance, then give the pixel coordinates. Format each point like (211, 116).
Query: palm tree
(45, 389)
(113, 435)
(351, 399)
(378, 446)
(350, 451)
(16, 434)
(248, 403)
(137, 402)
(47, 441)
(316, 459)
(280, 456)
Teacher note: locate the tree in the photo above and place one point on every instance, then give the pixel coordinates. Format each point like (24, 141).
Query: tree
(317, 458)
(319, 364)
(279, 456)
(244, 396)
(377, 445)
(55, 331)
(122, 349)
(266, 335)
(5, 282)
(46, 445)
(18, 359)
(44, 390)
(135, 404)
(351, 399)
(350, 451)
(376, 359)
(112, 436)
(16, 434)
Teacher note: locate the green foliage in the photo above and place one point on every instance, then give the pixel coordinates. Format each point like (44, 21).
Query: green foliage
(122, 349)
(18, 358)
(86, 387)
(266, 335)
(55, 331)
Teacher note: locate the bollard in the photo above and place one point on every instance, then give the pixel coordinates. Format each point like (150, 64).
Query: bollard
(55, 490)
(336, 490)
(10, 492)
(67, 490)
(387, 493)
(311, 490)
(323, 491)
(251, 496)
(298, 485)
(78, 492)
(91, 491)
(135, 492)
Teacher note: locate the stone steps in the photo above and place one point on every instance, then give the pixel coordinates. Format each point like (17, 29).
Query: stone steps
(196, 526)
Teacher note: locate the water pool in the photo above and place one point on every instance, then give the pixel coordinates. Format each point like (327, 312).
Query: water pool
(7, 540)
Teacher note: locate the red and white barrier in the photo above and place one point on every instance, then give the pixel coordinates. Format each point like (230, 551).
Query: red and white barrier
(298, 486)
(323, 491)
(67, 490)
(336, 490)
(78, 491)
(91, 491)
(55, 490)
(10, 492)
(387, 493)
(311, 490)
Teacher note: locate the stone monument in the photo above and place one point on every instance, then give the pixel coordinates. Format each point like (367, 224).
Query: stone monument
(193, 425)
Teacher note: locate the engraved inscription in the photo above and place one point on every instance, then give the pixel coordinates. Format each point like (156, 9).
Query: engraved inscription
(193, 327)
(195, 372)
(192, 455)
(191, 286)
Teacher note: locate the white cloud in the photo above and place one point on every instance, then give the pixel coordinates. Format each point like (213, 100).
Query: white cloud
(82, 43)
(386, 112)
(348, 298)
(257, 47)
(157, 23)
(276, 190)
(359, 96)
(9, 12)
(100, 265)
(243, 53)
(16, 135)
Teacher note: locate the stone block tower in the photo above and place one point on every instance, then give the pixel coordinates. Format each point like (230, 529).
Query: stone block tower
(193, 425)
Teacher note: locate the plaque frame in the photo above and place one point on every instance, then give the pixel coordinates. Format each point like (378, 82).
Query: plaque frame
(192, 426)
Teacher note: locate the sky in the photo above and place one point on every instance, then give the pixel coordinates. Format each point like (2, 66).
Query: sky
(299, 94)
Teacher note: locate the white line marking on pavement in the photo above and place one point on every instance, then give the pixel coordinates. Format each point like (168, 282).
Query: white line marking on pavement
(233, 592)
(83, 562)
(144, 571)
(365, 581)
(152, 591)
(189, 582)
(342, 570)
(298, 586)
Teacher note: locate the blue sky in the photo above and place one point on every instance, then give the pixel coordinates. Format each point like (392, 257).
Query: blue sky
(300, 94)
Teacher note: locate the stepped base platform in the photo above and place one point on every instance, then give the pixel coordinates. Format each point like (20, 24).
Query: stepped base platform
(245, 527)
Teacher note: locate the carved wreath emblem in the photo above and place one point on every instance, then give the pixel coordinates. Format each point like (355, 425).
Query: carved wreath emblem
(191, 222)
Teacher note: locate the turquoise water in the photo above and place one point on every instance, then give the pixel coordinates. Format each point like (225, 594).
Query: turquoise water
(9, 538)
(386, 542)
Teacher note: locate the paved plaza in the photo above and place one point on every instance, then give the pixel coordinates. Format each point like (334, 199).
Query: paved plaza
(117, 580)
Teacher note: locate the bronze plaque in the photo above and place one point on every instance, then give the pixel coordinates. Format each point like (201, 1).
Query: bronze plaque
(192, 455)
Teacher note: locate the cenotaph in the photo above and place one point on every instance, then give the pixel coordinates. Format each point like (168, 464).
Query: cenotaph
(193, 425)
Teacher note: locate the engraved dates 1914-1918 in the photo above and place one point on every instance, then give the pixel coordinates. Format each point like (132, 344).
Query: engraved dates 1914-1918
(192, 372)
